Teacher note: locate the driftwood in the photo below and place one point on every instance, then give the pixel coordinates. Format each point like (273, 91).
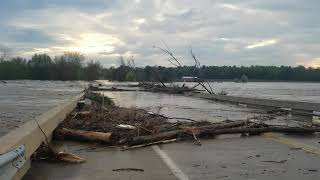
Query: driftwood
(116, 89)
(83, 135)
(256, 131)
(152, 87)
(180, 133)
(212, 131)
(197, 141)
(69, 157)
(149, 144)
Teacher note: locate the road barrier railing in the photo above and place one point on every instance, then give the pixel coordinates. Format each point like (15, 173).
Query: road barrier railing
(18, 145)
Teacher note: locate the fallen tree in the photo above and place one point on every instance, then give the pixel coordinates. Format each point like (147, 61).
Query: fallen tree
(154, 87)
(182, 133)
(197, 74)
(211, 132)
(257, 131)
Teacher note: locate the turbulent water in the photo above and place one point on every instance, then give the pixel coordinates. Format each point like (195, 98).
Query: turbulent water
(21, 101)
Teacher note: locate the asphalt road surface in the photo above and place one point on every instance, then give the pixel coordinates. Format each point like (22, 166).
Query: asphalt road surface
(226, 157)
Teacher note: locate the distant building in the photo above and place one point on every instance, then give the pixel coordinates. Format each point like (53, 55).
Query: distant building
(189, 78)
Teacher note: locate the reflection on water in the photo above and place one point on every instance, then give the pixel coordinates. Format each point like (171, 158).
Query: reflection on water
(194, 108)
(181, 106)
(295, 91)
(308, 92)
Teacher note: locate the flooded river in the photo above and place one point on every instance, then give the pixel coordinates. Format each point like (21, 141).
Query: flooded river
(308, 92)
(295, 91)
(200, 109)
(21, 101)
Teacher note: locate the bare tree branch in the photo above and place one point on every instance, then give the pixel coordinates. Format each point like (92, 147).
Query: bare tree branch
(201, 74)
(121, 61)
(173, 60)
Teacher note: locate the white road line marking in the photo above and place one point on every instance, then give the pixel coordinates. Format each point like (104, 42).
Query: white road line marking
(171, 165)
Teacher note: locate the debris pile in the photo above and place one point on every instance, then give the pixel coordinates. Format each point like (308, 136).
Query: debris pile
(102, 121)
(151, 87)
(172, 89)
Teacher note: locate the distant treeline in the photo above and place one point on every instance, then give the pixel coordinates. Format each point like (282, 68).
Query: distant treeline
(72, 66)
(69, 66)
(263, 73)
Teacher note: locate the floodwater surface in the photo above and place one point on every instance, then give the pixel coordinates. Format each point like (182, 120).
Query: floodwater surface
(179, 106)
(21, 101)
(294, 91)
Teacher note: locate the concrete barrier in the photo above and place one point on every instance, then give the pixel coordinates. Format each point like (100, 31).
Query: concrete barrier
(30, 134)
(294, 105)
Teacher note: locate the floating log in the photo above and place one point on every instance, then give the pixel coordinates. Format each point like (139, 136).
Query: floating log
(81, 135)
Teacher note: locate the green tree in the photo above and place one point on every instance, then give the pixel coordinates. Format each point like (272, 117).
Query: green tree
(130, 76)
(92, 71)
(69, 66)
(40, 67)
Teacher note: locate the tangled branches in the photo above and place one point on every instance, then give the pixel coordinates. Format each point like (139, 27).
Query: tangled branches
(197, 68)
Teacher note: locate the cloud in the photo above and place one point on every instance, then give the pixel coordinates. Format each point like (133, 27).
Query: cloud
(262, 44)
(314, 62)
(222, 32)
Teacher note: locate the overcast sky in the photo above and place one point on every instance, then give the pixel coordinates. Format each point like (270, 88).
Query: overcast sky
(229, 32)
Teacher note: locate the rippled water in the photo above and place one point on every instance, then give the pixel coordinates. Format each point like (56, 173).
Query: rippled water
(181, 106)
(199, 109)
(295, 91)
(308, 92)
(21, 101)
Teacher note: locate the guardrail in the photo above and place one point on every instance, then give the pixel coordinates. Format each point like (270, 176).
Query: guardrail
(18, 145)
(11, 162)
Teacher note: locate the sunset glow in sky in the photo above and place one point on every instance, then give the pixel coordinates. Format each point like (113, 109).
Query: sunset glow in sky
(221, 32)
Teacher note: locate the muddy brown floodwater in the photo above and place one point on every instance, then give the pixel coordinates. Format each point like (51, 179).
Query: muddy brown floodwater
(21, 101)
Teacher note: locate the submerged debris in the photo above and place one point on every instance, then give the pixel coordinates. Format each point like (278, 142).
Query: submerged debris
(45, 152)
(130, 128)
(173, 89)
